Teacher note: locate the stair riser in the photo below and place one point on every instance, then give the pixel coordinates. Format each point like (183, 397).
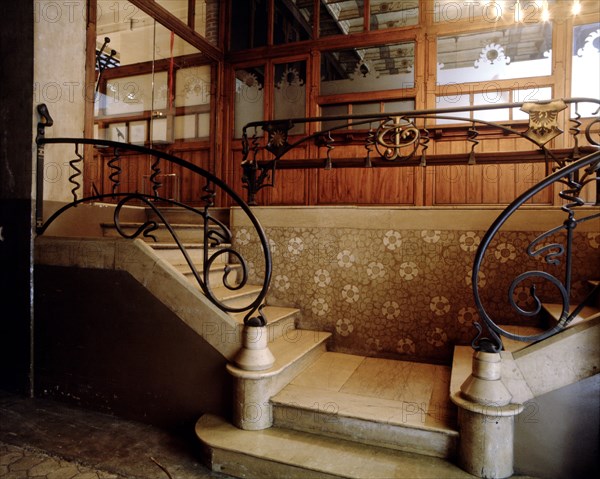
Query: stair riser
(162, 235)
(175, 257)
(215, 277)
(325, 421)
(238, 464)
(182, 216)
(240, 301)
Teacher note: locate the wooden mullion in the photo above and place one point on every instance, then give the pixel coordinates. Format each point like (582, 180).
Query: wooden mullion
(191, 20)
(174, 24)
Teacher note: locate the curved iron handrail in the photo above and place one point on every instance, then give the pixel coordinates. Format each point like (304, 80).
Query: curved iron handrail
(397, 131)
(212, 237)
(575, 176)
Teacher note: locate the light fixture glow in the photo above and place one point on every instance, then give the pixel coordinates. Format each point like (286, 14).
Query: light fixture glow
(576, 9)
(545, 12)
(518, 12)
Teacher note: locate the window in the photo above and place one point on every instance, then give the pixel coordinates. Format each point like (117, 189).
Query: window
(385, 67)
(518, 52)
(585, 70)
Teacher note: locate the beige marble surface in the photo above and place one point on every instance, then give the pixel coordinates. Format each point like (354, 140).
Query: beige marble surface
(398, 392)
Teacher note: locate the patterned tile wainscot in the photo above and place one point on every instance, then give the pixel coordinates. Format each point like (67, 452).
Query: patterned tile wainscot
(390, 291)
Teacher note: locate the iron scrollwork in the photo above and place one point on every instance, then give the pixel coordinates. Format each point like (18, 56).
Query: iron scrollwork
(217, 237)
(574, 176)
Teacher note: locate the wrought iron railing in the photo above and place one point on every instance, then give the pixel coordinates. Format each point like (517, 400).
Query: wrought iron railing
(404, 138)
(556, 252)
(217, 237)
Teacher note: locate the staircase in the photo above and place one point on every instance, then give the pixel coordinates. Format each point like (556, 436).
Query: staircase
(351, 416)
(321, 414)
(189, 228)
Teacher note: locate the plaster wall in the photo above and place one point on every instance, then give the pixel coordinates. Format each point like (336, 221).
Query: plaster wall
(59, 82)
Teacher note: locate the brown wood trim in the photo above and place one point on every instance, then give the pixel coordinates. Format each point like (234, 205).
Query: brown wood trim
(165, 18)
(183, 61)
(503, 157)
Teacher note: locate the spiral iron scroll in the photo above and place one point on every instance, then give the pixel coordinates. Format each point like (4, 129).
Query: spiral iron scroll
(574, 176)
(217, 237)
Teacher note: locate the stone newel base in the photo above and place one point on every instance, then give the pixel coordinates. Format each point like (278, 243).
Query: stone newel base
(486, 420)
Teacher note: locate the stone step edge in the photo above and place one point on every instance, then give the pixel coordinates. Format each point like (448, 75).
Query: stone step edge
(171, 246)
(273, 314)
(287, 352)
(587, 313)
(133, 224)
(339, 399)
(277, 452)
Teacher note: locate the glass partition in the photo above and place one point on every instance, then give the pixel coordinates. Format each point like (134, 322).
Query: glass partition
(516, 52)
(585, 69)
(386, 67)
(386, 14)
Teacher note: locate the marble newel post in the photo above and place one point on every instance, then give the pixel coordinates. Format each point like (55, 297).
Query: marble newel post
(486, 420)
(251, 407)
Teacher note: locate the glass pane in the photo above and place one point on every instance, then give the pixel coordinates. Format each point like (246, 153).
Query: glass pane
(185, 126)
(517, 52)
(490, 11)
(177, 8)
(529, 94)
(203, 125)
(366, 108)
(585, 77)
(293, 21)
(341, 17)
(206, 19)
(249, 91)
(453, 101)
(333, 110)
(134, 94)
(398, 106)
(387, 67)
(289, 94)
(491, 98)
(386, 14)
(192, 86)
(249, 20)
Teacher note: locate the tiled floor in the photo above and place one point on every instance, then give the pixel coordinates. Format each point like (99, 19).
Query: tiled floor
(44, 439)
(419, 391)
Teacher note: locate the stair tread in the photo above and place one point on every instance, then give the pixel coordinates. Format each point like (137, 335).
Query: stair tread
(287, 350)
(399, 393)
(135, 224)
(386, 411)
(223, 293)
(319, 454)
(513, 345)
(185, 268)
(587, 313)
(272, 314)
(186, 245)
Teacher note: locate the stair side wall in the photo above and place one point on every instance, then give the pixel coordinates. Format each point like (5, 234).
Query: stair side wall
(103, 341)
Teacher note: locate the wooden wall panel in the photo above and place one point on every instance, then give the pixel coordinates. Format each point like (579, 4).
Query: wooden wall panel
(367, 186)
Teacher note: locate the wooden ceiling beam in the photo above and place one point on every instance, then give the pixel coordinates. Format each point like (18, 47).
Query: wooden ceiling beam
(171, 22)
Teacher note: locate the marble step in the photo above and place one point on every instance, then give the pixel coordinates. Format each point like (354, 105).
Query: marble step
(277, 453)
(183, 215)
(237, 298)
(293, 353)
(187, 233)
(216, 273)
(553, 312)
(392, 404)
(170, 252)
(281, 322)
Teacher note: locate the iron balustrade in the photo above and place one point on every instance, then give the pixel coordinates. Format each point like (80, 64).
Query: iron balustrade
(217, 237)
(403, 139)
(574, 176)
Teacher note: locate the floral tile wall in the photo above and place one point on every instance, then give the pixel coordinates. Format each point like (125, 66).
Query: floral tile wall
(405, 294)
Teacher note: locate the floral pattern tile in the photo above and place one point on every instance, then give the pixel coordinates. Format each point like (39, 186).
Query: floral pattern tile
(406, 294)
